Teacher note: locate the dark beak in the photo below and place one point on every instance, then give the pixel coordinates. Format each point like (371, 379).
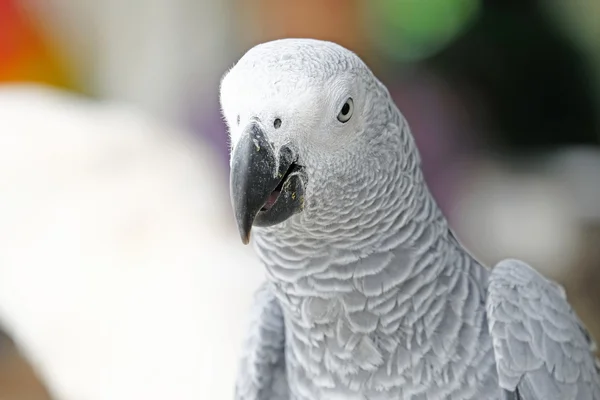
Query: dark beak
(266, 188)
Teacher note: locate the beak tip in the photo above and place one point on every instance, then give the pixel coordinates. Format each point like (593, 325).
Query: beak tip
(245, 238)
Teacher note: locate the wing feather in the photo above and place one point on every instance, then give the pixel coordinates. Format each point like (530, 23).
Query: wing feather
(543, 350)
(262, 369)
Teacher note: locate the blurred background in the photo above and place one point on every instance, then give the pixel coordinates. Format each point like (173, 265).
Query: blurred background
(503, 97)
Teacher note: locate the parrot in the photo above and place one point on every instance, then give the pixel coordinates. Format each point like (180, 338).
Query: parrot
(368, 292)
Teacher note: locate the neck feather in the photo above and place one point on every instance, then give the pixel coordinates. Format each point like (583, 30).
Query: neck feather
(399, 241)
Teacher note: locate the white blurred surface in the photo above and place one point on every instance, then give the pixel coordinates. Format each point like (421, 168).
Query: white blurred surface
(121, 273)
(534, 212)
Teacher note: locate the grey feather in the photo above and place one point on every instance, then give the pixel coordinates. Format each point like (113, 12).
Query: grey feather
(262, 369)
(506, 395)
(543, 351)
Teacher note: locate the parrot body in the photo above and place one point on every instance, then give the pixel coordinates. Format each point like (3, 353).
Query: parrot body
(369, 295)
(406, 325)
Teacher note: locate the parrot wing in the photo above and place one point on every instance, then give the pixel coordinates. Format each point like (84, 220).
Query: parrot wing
(543, 351)
(262, 371)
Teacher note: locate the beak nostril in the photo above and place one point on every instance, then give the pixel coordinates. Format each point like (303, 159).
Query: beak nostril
(277, 123)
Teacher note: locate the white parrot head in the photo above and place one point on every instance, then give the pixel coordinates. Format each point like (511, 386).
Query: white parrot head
(312, 134)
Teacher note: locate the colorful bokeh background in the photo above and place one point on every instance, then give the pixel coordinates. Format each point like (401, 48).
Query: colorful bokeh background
(503, 97)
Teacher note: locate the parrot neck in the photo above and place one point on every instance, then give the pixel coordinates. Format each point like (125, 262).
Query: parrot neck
(355, 312)
(400, 250)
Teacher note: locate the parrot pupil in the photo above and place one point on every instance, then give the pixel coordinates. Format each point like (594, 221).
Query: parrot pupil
(345, 108)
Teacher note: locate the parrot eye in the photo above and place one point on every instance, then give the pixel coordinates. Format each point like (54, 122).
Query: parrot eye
(346, 111)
